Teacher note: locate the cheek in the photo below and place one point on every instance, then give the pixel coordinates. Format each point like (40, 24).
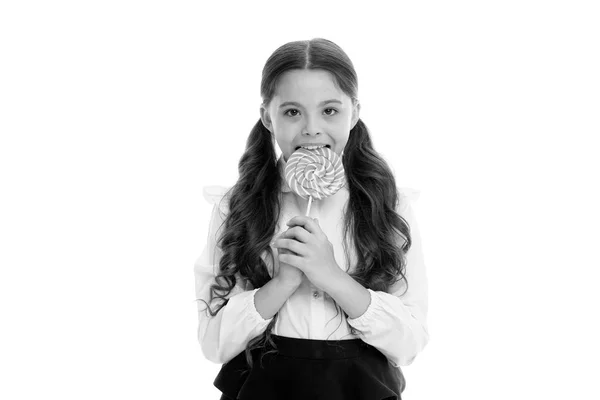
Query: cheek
(342, 135)
(284, 132)
(341, 141)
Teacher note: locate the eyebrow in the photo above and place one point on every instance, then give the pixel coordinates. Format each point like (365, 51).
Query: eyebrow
(292, 103)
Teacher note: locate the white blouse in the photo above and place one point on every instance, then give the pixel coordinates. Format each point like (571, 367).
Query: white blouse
(394, 323)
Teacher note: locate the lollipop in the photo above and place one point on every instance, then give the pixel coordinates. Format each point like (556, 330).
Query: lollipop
(314, 174)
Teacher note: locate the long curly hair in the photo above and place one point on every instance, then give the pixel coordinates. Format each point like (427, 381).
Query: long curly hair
(254, 201)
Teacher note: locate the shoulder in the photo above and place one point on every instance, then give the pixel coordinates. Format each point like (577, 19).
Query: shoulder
(218, 195)
(406, 197)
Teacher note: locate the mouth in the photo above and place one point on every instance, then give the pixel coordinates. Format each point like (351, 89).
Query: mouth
(312, 147)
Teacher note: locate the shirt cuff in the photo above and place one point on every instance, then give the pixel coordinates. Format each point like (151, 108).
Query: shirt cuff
(250, 308)
(368, 314)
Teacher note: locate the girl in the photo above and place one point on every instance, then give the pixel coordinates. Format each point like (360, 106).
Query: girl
(321, 307)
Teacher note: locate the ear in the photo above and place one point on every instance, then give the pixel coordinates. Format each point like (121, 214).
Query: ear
(266, 118)
(355, 114)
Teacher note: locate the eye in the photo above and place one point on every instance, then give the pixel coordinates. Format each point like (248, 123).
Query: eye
(292, 112)
(291, 109)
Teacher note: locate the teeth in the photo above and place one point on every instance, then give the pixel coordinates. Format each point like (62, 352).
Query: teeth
(312, 147)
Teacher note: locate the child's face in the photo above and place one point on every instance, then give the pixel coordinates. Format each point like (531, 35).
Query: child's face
(312, 119)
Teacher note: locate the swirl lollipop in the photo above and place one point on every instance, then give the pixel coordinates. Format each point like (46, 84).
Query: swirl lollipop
(314, 174)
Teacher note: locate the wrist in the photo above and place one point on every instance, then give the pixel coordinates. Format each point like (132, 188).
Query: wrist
(350, 295)
(286, 284)
(335, 279)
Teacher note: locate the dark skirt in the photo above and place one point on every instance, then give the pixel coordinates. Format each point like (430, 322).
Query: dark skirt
(306, 369)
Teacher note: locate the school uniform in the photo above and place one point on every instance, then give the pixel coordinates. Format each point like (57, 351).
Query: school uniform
(318, 357)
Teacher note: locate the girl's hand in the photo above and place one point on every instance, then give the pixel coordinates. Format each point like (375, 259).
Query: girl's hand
(313, 251)
(287, 274)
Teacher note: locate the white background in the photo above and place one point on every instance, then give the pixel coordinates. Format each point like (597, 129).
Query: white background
(115, 114)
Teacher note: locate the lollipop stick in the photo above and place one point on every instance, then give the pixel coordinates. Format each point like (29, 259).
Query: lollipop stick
(309, 203)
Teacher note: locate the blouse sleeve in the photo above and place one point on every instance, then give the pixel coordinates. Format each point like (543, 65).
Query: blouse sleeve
(226, 334)
(396, 322)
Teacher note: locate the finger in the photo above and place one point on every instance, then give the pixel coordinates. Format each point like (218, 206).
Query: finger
(306, 222)
(284, 251)
(298, 233)
(280, 236)
(291, 245)
(292, 260)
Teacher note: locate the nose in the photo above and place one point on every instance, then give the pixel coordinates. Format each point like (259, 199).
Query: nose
(311, 127)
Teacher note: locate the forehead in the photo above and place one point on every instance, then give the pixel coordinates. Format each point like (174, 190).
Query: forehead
(308, 86)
